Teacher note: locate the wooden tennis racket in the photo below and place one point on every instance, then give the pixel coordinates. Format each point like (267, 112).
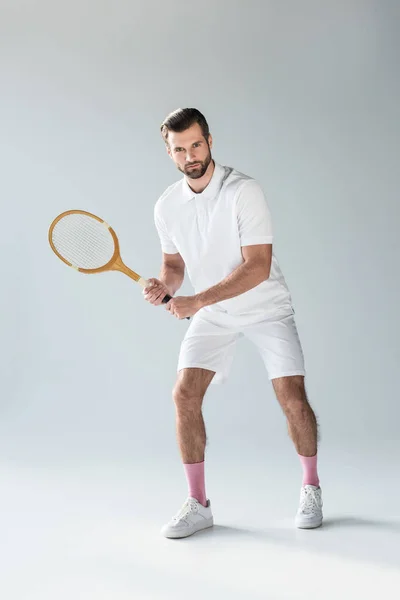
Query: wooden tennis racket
(89, 245)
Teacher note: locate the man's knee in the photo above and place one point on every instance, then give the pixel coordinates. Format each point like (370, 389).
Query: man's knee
(290, 392)
(183, 396)
(190, 388)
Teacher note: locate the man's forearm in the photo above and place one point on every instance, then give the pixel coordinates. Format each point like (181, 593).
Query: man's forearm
(172, 278)
(245, 277)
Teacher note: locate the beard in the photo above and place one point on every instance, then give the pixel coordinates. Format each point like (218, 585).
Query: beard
(199, 170)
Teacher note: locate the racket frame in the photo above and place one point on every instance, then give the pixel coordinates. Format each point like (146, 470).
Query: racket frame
(114, 264)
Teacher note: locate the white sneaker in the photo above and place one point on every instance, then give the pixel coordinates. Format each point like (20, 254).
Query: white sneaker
(309, 514)
(192, 517)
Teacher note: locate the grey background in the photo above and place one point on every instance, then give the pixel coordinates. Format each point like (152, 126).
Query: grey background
(302, 96)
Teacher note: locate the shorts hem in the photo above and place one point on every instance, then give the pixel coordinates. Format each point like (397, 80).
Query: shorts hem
(288, 374)
(218, 377)
(195, 366)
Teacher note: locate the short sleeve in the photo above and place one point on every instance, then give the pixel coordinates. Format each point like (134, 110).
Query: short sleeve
(166, 243)
(253, 214)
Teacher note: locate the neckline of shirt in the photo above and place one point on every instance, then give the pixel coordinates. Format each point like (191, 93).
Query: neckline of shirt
(212, 188)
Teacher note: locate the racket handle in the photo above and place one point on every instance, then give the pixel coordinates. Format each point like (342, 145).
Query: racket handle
(167, 298)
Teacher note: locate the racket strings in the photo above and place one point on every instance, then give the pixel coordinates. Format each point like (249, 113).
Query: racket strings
(83, 241)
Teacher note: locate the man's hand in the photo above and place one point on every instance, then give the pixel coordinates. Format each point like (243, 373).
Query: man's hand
(183, 306)
(155, 291)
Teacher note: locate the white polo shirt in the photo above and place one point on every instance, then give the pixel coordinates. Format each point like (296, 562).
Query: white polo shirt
(208, 230)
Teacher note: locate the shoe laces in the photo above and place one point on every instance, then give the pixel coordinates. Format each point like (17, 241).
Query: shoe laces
(188, 507)
(310, 500)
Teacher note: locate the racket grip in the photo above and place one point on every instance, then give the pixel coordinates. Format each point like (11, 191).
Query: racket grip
(167, 298)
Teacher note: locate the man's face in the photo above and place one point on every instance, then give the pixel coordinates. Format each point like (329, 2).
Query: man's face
(190, 151)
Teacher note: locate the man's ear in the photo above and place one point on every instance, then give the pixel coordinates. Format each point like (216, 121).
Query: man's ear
(210, 140)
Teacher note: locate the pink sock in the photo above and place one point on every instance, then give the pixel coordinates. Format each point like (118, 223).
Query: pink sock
(195, 478)
(310, 475)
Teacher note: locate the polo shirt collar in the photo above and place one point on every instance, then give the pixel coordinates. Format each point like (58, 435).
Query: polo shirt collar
(212, 188)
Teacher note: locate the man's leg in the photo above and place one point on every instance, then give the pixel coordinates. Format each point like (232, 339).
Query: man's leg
(279, 344)
(188, 394)
(303, 429)
(301, 420)
(189, 391)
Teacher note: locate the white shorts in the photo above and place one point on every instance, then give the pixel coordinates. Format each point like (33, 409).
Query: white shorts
(210, 343)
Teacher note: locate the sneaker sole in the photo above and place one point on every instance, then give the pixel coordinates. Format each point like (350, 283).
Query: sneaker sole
(187, 532)
(310, 525)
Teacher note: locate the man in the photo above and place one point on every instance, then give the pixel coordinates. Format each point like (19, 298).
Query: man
(215, 222)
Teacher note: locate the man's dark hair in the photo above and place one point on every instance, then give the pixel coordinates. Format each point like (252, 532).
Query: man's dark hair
(183, 118)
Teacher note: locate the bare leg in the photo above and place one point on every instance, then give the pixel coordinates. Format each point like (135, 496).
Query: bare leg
(188, 395)
(189, 391)
(301, 420)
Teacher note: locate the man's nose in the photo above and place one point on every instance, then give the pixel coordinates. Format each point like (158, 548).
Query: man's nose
(190, 156)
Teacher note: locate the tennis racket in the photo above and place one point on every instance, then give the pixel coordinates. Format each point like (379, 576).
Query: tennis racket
(89, 245)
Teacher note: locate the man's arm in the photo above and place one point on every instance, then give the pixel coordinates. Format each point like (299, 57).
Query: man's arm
(172, 272)
(255, 268)
(170, 279)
